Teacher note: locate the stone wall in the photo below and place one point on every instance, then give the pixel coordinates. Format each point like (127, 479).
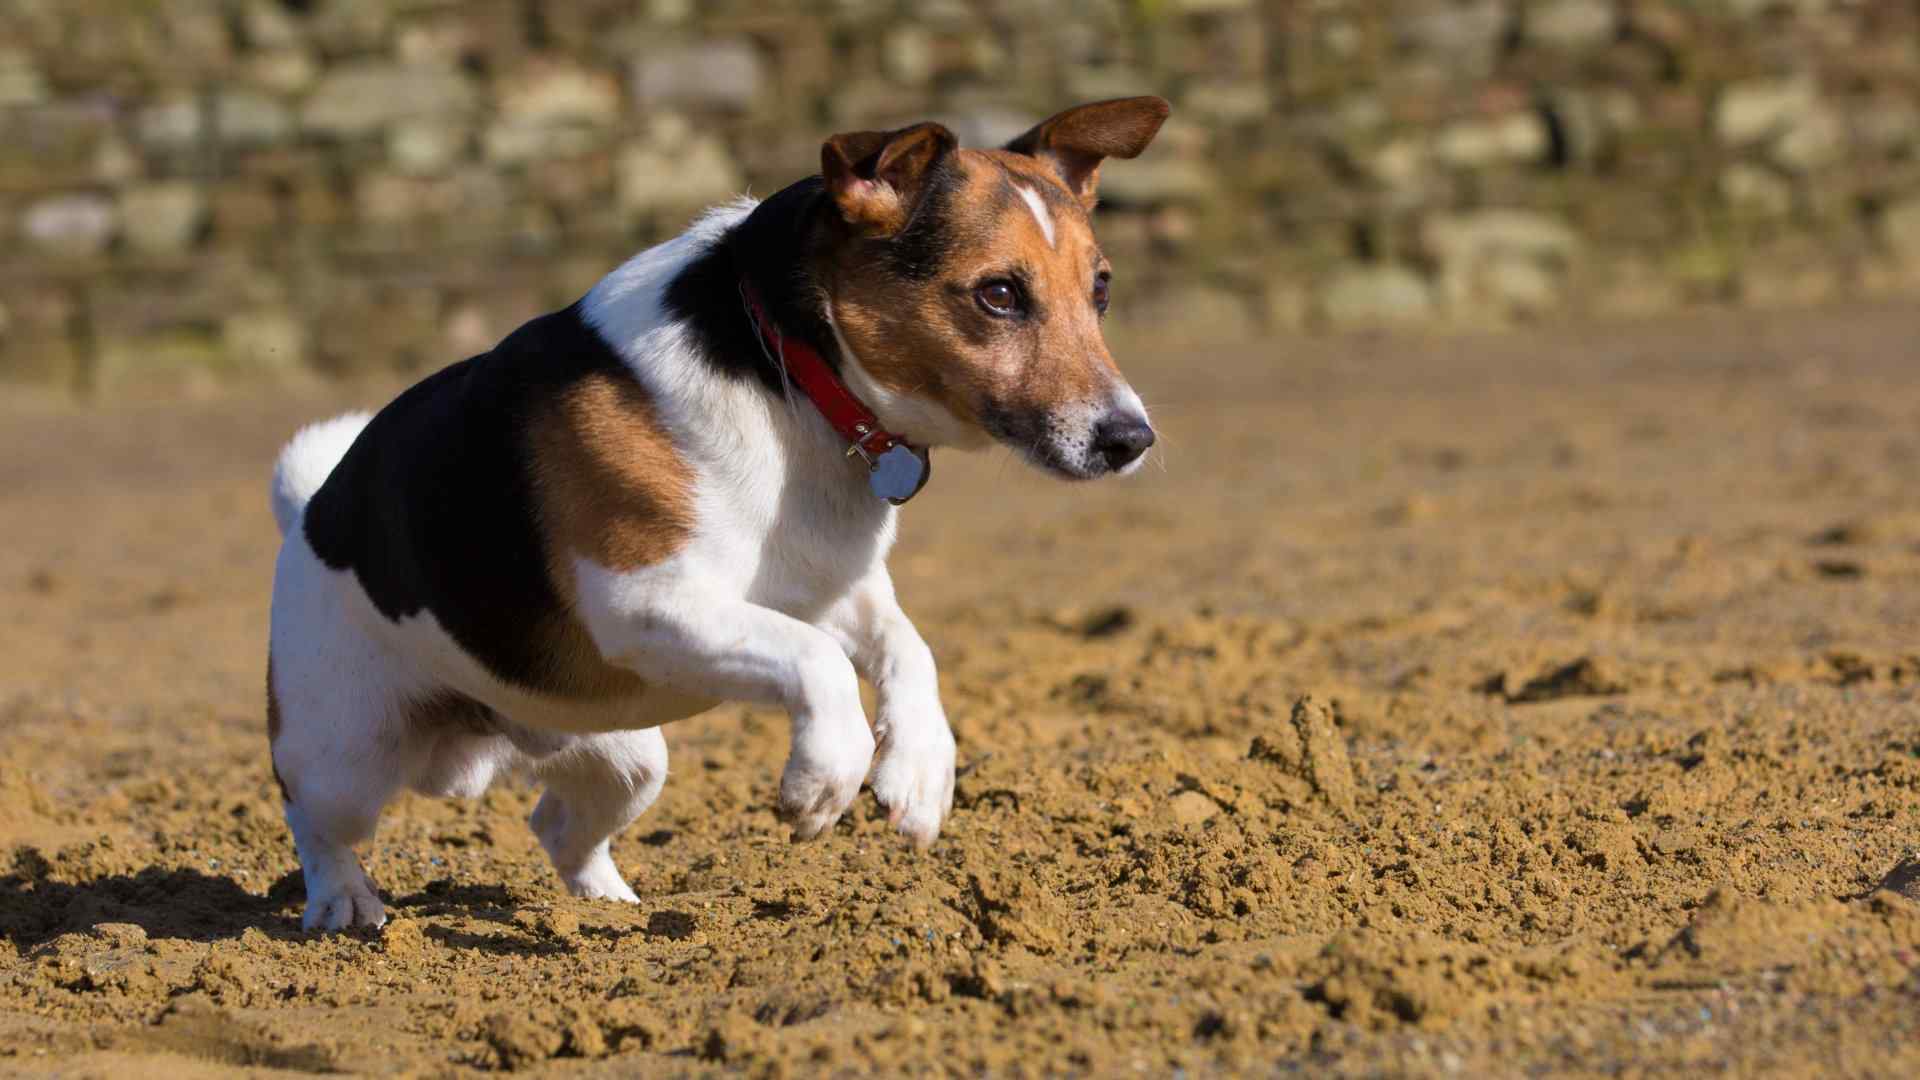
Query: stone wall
(194, 189)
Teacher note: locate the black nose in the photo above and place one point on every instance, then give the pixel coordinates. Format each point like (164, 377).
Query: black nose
(1121, 439)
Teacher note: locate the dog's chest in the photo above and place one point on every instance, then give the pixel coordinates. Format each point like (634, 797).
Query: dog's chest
(797, 545)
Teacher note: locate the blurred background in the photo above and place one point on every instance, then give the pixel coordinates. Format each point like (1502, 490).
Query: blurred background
(194, 192)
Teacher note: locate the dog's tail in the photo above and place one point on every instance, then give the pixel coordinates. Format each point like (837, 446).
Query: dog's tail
(307, 460)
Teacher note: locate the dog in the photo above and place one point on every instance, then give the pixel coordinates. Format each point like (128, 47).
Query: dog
(681, 490)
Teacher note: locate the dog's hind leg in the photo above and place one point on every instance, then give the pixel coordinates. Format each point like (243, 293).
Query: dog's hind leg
(340, 740)
(340, 754)
(596, 786)
(325, 830)
(337, 770)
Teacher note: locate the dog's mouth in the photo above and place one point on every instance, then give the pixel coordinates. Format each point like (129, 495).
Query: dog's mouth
(1076, 443)
(1046, 457)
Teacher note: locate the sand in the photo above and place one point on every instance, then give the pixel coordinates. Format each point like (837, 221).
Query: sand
(1492, 707)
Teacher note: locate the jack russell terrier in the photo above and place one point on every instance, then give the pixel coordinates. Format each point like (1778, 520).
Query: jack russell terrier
(680, 491)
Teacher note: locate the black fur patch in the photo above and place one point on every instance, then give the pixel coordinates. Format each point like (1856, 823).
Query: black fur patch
(433, 506)
(922, 248)
(770, 248)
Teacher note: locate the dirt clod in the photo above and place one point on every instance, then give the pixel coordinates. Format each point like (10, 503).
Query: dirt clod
(1585, 677)
(1191, 808)
(403, 938)
(520, 1040)
(1323, 753)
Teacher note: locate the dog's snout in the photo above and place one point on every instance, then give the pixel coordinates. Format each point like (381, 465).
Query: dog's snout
(1121, 439)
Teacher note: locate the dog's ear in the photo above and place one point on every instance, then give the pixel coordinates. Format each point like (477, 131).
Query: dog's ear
(1075, 142)
(876, 178)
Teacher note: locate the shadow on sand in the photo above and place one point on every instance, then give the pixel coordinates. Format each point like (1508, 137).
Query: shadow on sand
(187, 904)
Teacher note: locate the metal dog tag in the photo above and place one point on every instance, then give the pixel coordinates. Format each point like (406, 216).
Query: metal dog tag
(900, 473)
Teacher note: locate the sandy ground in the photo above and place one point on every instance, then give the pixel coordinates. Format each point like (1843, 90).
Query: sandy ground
(1537, 705)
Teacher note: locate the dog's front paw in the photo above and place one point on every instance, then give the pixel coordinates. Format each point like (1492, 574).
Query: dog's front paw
(914, 781)
(349, 903)
(820, 782)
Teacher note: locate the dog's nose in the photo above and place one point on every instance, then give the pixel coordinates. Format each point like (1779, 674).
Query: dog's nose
(1122, 439)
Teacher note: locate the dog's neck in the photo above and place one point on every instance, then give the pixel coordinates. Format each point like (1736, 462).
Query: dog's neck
(757, 314)
(769, 250)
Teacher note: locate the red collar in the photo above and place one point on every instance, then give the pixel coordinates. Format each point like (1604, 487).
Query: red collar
(883, 451)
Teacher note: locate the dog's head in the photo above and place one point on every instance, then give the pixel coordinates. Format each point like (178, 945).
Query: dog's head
(967, 291)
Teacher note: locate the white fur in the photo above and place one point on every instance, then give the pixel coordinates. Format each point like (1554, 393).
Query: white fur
(780, 596)
(1040, 212)
(920, 420)
(308, 459)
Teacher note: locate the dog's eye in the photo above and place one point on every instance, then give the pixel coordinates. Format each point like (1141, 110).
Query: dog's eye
(1100, 297)
(998, 297)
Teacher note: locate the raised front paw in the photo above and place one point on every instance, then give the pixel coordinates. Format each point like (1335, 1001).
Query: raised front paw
(914, 781)
(821, 781)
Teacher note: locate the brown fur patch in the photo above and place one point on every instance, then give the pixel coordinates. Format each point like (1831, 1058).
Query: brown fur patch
(273, 729)
(448, 710)
(610, 483)
(451, 713)
(273, 704)
(611, 487)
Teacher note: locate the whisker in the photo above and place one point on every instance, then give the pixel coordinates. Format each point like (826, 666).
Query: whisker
(1159, 451)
